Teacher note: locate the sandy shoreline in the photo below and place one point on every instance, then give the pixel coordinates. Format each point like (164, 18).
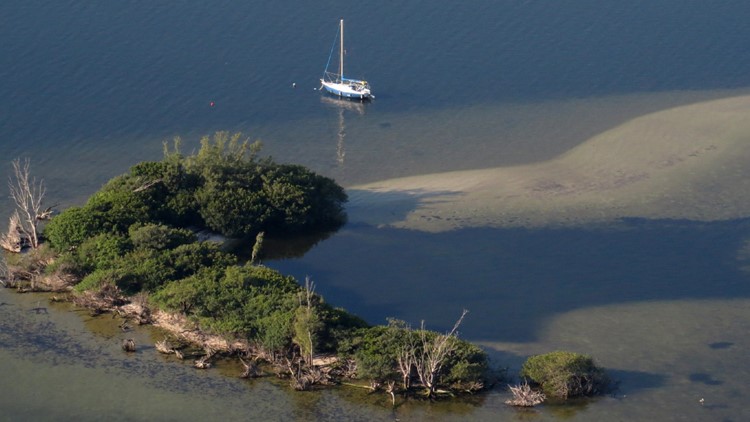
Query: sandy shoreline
(687, 162)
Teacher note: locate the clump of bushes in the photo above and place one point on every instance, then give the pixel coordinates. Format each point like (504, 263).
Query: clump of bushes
(136, 235)
(563, 374)
(224, 188)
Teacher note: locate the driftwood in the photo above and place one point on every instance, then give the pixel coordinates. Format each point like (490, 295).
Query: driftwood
(348, 368)
(147, 185)
(203, 362)
(164, 347)
(16, 238)
(390, 389)
(251, 369)
(107, 299)
(303, 376)
(525, 396)
(128, 345)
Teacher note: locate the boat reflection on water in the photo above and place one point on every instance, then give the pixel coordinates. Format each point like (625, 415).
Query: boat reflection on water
(342, 105)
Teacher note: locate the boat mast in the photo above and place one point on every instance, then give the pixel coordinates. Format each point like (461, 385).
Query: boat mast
(341, 52)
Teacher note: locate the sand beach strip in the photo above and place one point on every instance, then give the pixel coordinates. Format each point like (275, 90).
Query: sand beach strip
(688, 162)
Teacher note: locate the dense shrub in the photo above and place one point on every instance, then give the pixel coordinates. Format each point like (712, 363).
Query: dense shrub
(377, 351)
(302, 198)
(565, 374)
(223, 187)
(137, 233)
(101, 251)
(119, 209)
(97, 278)
(236, 300)
(232, 207)
(190, 258)
(468, 362)
(71, 227)
(374, 349)
(158, 236)
(144, 270)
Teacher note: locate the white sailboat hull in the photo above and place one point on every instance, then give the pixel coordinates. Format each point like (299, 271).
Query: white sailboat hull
(346, 90)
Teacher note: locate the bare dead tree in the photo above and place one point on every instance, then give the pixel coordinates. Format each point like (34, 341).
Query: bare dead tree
(28, 194)
(306, 322)
(429, 360)
(406, 357)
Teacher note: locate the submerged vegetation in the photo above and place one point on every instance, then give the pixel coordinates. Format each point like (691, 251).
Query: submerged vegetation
(134, 248)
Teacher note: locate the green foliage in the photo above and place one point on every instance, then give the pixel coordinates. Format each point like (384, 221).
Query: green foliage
(71, 227)
(143, 269)
(101, 251)
(242, 196)
(375, 350)
(306, 330)
(158, 236)
(119, 209)
(338, 326)
(186, 295)
(237, 300)
(168, 189)
(468, 362)
(565, 374)
(189, 258)
(301, 199)
(224, 187)
(133, 234)
(224, 154)
(274, 331)
(96, 279)
(234, 208)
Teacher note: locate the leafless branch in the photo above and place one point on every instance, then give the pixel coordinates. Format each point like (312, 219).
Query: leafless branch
(525, 396)
(28, 194)
(434, 351)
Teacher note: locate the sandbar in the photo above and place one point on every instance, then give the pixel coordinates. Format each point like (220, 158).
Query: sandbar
(687, 162)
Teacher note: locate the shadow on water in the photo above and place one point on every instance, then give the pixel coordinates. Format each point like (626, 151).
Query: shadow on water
(391, 206)
(628, 382)
(276, 247)
(512, 280)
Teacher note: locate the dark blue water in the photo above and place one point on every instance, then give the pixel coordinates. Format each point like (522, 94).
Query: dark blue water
(101, 69)
(88, 89)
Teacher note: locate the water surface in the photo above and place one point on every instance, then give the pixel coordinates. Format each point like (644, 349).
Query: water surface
(89, 89)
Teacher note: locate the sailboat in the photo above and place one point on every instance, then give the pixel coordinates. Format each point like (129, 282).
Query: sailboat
(336, 83)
